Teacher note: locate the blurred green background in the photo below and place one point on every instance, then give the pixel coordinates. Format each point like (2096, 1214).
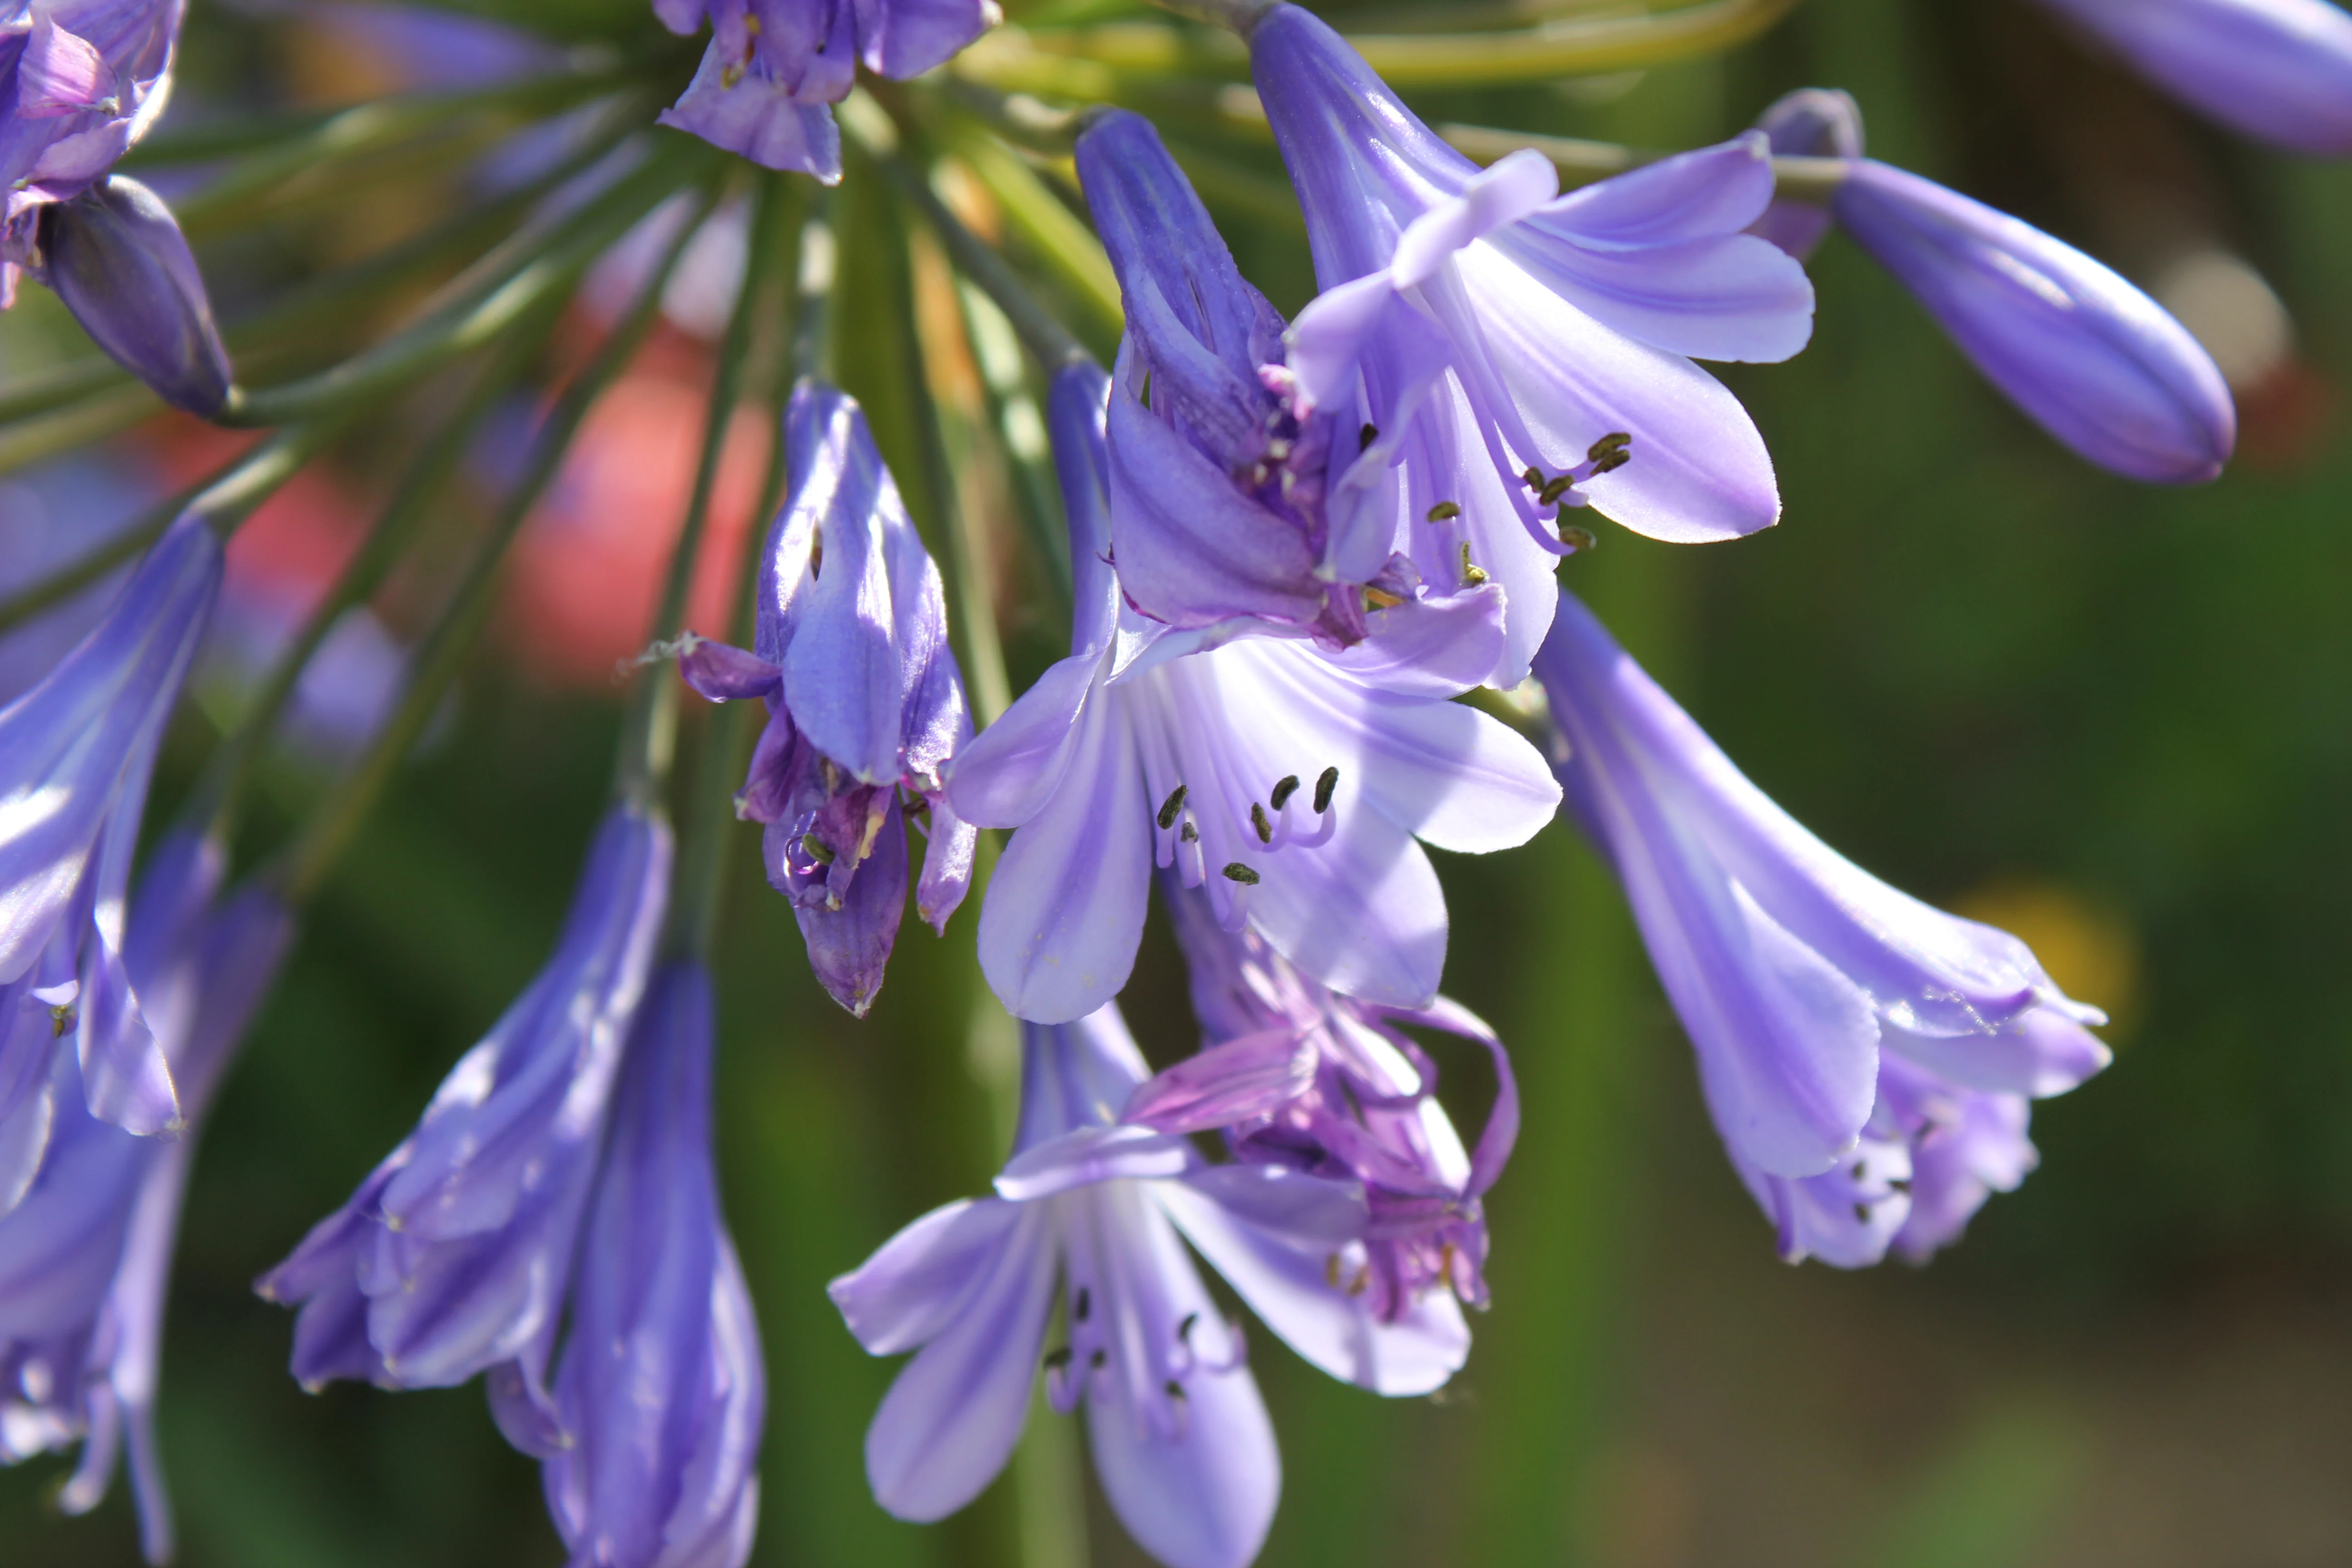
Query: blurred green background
(2119, 719)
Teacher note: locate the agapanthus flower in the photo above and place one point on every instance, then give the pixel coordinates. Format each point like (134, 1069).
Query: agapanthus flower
(1365, 1110)
(658, 1390)
(76, 753)
(1290, 785)
(774, 68)
(86, 1255)
(865, 704)
(115, 256)
(2087, 356)
(1807, 987)
(453, 1256)
(1180, 1436)
(1569, 325)
(80, 81)
(2277, 69)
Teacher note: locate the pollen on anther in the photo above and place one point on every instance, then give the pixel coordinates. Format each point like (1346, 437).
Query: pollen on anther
(1578, 540)
(1472, 574)
(1190, 834)
(1323, 789)
(1171, 806)
(1264, 828)
(1237, 872)
(1366, 436)
(1444, 512)
(1284, 790)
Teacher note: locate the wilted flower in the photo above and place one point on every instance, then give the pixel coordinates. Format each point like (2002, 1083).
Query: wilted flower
(86, 1255)
(1290, 785)
(116, 257)
(865, 704)
(1569, 327)
(2277, 69)
(2089, 357)
(1797, 977)
(774, 66)
(1181, 1439)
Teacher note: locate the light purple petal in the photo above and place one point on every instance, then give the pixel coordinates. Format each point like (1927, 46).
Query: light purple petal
(1015, 766)
(904, 38)
(2040, 1053)
(757, 118)
(849, 947)
(1090, 1154)
(908, 1293)
(1234, 1081)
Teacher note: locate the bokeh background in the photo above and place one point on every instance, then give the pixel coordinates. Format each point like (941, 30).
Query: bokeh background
(2118, 720)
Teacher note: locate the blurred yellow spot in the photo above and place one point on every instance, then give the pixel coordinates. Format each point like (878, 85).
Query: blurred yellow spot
(2088, 946)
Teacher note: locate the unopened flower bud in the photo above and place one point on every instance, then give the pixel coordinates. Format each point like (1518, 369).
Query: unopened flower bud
(116, 257)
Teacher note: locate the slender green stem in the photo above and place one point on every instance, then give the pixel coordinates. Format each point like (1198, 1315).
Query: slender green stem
(1238, 15)
(442, 653)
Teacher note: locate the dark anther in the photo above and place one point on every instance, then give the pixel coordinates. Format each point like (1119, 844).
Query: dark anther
(1861, 1214)
(1170, 808)
(816, 553)
(1611, 463)
(1175, 1389)
(1185, 1329)
(816, 848)
(1258, 821)
(1086, 1304)
(1237, 872)
(1444, 511)
(1579, 539)
(1099, 1357)
(1899, 1184)
(1616, 441)
(1323, 789)
(1534, 477)
(1861, 1169)
(1284, 790)
(1190, 834)
(1060, 1358)
(61, 1018)
(1472, 572)
(1366, 436)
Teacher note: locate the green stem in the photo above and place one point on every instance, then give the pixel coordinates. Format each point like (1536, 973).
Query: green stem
(304, 864)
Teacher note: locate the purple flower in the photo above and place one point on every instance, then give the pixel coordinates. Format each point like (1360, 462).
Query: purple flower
(1289, 783)
(659, 1391)
(1362, 1107)
(1807, 986)
(75, 755)
(86, 1252)
(1181, 1439)
(865, 704)
(1810, 122)
(2087, 356)
(116, 257)
(80, 81)
(1568, 326)
(453, 1256)
(2277, 69)
(774, 66)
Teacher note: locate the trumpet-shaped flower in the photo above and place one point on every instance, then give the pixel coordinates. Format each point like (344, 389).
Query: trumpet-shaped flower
(1568, 325)
(2087, 356)
(1290, 785)
(452, 1256)
(1797, 977)
(2277, 69)
(1096, 1203)
(865, 704)
(86, 1255)
(75, 755)
(774, 68)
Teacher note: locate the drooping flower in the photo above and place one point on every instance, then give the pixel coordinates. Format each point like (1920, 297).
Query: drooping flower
(86, 1255)
(2277, 69)
(774, 68)
(1569, 325)
(1181, 1439)
(1807, 986)
(115, 256)
(453, 1256)
(1810, 122)
(1365, 1108)
(865, 704)
(1289, 783)
(658, 1391)
(75, 755)
(81, 81)
(2087, 356)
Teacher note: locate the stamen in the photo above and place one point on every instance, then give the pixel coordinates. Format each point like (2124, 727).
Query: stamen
(817, 849)
(1611, 463)
(1331, 1271)
(1086, 1305)
(1323, 789)
(1258, 821)
(61, 1018)
(1284, 790)
(1444, 512)
(730, 75)
(1616, 441)
(1534, 477)
(1237, 872)
(1185, 1329)
(1578, 540)
(1900, 1185)
(1366, 436)
(1057, 1359)
(816, 540)
(1175, 1389)
(1190, 834)
(1170, 808)
(1861, 1169)
(1471, 573)
(751, 24)
(1861, 1214)
(1559, 486)
(1363, 1279)
(1097, 1360)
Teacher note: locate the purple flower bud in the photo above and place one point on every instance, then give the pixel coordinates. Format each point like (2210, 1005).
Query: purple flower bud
(865, 700)
(2277, 69)
(775, 65)
(659, 1389)
(115, 256)
(1561, 329)
(86, 1250)
(1801, 980)
(76, 753)
(452, 1256)
(1810, 122)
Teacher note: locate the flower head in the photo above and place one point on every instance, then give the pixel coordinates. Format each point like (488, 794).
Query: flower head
(116, 257)
(1567, 327)
(1797, 977)
(2277, 69)
(865, 704)
(774, 66)
(1292, 785)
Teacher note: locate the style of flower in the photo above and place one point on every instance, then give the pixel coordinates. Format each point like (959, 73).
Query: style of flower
(1179, 1437)
(1568, 325)
(865, 704)
(774, 68)
(1289, 783)
(1815, 994)
(2280, 70)
(2087, 356)
(86, 1248)
(76, 753)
